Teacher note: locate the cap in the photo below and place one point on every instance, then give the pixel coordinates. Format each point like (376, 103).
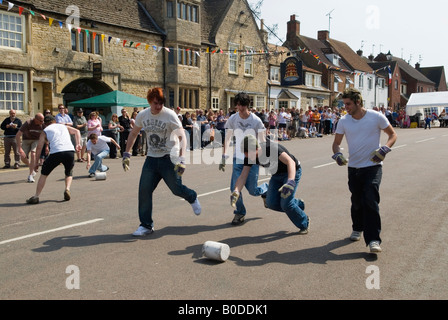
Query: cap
(49, 119)
(80, 110)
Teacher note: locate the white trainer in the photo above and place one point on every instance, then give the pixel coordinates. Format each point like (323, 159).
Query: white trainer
(196, 207)
(142, 231)
(30, 178)
(374, 246)
(356, 235)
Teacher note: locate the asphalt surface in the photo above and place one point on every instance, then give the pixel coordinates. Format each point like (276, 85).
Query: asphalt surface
(83, 248)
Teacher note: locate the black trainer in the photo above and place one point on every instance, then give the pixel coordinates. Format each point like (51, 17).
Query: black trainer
(238, 219)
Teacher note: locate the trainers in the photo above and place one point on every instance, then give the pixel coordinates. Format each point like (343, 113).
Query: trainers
(196, 207)
(91, 175)
(356, 235)
(30, 178)
(374, 247)
(305, 231)
(34, 173)
(7, 166)
(33, 200)
(16, 166)
(67, 195)
(238, 219)
(263, 196)
(142, 231)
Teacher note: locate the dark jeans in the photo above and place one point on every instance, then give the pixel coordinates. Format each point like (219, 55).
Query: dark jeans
(154, 170)
(364, 184)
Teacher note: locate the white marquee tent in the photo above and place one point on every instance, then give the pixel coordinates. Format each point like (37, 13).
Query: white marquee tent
(434, 101)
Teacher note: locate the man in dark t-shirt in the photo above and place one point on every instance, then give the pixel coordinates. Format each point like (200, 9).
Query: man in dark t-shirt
(286, 173)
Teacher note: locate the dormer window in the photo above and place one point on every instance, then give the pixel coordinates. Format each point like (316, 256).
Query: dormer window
(334, 58)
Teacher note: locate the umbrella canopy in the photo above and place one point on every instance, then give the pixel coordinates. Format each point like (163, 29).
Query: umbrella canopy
(111, 99)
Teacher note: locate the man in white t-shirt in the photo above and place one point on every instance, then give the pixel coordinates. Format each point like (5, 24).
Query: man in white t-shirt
(98, 146)
(362, 129)
(165, 158)
(61, 151)
(238, 126)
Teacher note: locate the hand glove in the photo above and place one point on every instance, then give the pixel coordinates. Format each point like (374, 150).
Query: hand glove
(379, 154)
(340, 159)
(234, 198)
(126, 161)
(287, 189)
(222, 165)
(180, 167)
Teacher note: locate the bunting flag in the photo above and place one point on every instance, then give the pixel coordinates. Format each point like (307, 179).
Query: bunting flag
(390, 74)
(208, 50)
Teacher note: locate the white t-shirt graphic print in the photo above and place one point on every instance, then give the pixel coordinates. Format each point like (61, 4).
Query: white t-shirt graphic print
(159, 129)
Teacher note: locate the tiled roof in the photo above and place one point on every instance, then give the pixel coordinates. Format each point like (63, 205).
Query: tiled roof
(124, 13)
(411, 71)
(350, 57)
(433, 73)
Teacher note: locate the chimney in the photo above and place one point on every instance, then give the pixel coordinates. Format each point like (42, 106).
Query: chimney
(264, 32)
(323, 35)
(371, 57)
(417, 66)
(359, 52)
(293, 28)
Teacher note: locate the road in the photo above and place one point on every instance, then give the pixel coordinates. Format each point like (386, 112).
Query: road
(83, 248)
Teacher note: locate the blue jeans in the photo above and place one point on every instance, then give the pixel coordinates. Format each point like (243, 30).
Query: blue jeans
(251, 185)
(291, 206)
(98, 164)
(364, 185)
(155, 169)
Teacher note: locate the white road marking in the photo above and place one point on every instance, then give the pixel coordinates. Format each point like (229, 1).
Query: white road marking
(52, 230)
(424, 140)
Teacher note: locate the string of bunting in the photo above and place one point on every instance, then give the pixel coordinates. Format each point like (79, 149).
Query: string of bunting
(133, 44)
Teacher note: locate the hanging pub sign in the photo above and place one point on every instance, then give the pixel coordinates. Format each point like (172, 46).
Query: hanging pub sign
(97, 71)
(291, 72)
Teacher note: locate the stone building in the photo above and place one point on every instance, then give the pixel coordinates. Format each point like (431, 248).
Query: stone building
(50, 47)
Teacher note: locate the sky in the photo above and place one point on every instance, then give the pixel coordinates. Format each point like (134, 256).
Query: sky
(415, 31)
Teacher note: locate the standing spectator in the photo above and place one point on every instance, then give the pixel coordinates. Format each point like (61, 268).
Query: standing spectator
(27, 139)
(220, 125)
(136, 146)
(272, 118)
(94, 124)
(428, 121)
(113, 132)
(327, 117)
(99, 147)
(62, 117)
(282, 124)
(239, 125)
(11, 126)
(203, 122)
(187, 124)
(80, 123)
(125, 123)
(61, 151)
(165, 160)
(362, 129)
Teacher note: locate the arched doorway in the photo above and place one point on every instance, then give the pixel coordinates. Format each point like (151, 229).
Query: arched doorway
(84, 88)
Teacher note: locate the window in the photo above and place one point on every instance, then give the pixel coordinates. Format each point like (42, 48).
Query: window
(12, 90)
(259, 102)
(248, 63)
(215, 103)
(186, 11)
(170, 9)
(11, 30)
(309, 79)
(233, 59)
(187, 57)
(274, 74)
(84, 41)
(381, 83)
(370, 83)
(361, 81)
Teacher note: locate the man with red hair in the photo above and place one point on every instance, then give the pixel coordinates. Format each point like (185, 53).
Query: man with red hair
(165, 158)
